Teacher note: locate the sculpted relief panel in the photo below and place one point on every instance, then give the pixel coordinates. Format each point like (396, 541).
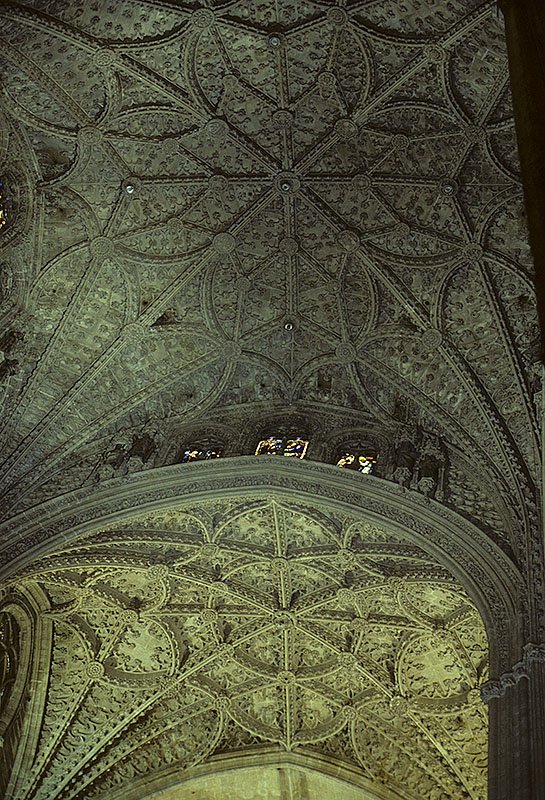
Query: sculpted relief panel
(206, 630)
(260, 205)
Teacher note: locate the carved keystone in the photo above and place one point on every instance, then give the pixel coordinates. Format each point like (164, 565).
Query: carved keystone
(288, 246)
(287, 183)
(203, 18)
(346, 129)
(346, 353)
(103, 58)
(337, 17)
(102, 247)
(94, 670)
(348, 240)
(224, 242)
(90, 135)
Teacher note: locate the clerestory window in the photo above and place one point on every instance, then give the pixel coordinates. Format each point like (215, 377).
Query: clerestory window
(293, 447)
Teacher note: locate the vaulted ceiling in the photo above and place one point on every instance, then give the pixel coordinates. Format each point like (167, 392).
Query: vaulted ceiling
(245, 206)
(247, 625)
(232, 215)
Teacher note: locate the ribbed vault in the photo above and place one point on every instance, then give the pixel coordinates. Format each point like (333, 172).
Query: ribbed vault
(278, 777)
(230, 219)
(225, 211)
(211, 628)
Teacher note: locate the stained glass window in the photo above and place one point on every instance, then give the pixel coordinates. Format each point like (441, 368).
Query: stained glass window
(294, 447)
(270, 447)
(200, 454)
(360, 462)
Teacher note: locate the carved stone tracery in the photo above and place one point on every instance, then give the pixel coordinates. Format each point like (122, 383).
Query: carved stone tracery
(280, 175)
(253, 212)
(307, 656)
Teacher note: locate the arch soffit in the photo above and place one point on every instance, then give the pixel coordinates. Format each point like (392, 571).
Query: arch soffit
(490, 578)
(36, 638)
(302, 761)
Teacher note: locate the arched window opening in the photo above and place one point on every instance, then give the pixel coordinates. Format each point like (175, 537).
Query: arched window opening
(200, 454)
(9, 657)
(358, 461)
(293, 446)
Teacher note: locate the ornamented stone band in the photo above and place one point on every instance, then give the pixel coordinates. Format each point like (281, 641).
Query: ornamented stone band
(522, 669)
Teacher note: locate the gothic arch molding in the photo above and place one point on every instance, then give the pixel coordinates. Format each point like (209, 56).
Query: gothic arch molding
(19, 728)
(224, 766)
(489, 577)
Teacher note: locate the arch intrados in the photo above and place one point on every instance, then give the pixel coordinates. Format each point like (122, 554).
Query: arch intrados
(28, 691)
(482, 568)
(311, 763)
